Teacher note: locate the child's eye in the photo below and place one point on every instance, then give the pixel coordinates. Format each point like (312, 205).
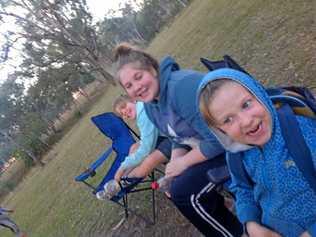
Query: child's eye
(228, 120)
(128, 85)
(123, 106)
(138, 76)
(247, 104)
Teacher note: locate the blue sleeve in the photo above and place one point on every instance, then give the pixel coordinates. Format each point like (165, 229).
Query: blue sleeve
(308, 128)
(186, 105)
(211, 148)
(177, 145)
(148, 138)
(312, 230)
(247, 208)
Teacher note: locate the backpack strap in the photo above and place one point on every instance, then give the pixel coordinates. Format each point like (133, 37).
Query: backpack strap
(296, 144)
(237, 169)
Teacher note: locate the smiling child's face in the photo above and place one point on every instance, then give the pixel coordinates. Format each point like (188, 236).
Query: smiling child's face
(240, 115)
(140, 84)
(127, 110)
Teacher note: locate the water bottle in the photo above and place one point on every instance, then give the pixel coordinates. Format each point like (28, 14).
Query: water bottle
(110, 189)
(163, 184)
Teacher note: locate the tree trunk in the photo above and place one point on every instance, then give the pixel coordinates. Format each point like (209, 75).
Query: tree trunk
(32, 156)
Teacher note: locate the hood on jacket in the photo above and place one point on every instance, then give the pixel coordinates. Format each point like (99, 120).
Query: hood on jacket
(166, 67)
(253, 86)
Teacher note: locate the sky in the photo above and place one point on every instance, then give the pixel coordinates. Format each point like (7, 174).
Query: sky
(98, 9)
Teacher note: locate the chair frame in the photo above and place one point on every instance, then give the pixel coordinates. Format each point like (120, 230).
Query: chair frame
(122, 198)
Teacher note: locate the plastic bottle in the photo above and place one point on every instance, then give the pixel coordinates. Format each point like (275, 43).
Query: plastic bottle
(111, 188)
(163, 184)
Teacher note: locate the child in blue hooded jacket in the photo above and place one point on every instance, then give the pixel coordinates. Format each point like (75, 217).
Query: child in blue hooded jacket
(241, 115)
(145, 155)
(168, 93)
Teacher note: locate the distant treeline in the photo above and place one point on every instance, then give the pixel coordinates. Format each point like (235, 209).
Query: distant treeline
(62, 50)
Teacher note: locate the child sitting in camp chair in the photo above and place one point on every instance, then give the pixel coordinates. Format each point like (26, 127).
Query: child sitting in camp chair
(156, 149)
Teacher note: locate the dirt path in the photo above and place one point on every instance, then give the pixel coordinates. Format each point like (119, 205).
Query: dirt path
(170, 223)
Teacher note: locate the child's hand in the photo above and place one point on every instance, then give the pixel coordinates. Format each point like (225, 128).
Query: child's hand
(256, 230)
(305, 234)
(118, 175)
(175, 167)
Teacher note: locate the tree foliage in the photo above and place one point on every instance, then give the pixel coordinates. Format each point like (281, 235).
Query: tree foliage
(62, 51)
(56, 32)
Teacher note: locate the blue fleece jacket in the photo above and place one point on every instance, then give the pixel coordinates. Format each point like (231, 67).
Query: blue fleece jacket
(280, 198)
(176, 114)
(148, 138)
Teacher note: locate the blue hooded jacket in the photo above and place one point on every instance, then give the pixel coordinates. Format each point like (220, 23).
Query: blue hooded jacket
(176, 115)
(280, 198)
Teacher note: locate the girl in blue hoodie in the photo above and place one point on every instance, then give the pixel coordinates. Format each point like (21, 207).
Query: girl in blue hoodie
(167, 92)
(241, 115)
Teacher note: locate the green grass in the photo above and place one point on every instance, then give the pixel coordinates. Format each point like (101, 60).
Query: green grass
(49, 202)
(274, 40)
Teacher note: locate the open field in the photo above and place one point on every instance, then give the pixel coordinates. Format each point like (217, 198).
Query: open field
(274, 40)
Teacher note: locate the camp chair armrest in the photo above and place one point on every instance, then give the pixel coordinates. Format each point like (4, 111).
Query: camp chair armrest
(85, 174)
(90, 172)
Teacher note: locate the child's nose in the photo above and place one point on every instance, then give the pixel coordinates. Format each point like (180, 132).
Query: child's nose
(123, 112)
(245, 120)
(137, 87)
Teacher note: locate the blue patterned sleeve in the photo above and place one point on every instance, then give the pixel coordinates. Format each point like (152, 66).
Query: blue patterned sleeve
(308, 128)
(312, 230)
(246, 206)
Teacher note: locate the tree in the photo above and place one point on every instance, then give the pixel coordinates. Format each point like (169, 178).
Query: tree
(62, 52)
(11, 103)
(29, 153)
(12, 114)
(56, 32)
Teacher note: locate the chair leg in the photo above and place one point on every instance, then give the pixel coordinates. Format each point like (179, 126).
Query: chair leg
(134, 212)
(125, 201)
(153, 199)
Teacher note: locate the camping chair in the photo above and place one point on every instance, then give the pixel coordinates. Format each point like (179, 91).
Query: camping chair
(121, 135)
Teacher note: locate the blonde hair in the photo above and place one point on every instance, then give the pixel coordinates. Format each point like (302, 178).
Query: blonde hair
(119, 102)
(125, 54)
(207, 95)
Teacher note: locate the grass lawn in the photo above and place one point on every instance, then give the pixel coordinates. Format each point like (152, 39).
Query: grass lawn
(274, 40)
